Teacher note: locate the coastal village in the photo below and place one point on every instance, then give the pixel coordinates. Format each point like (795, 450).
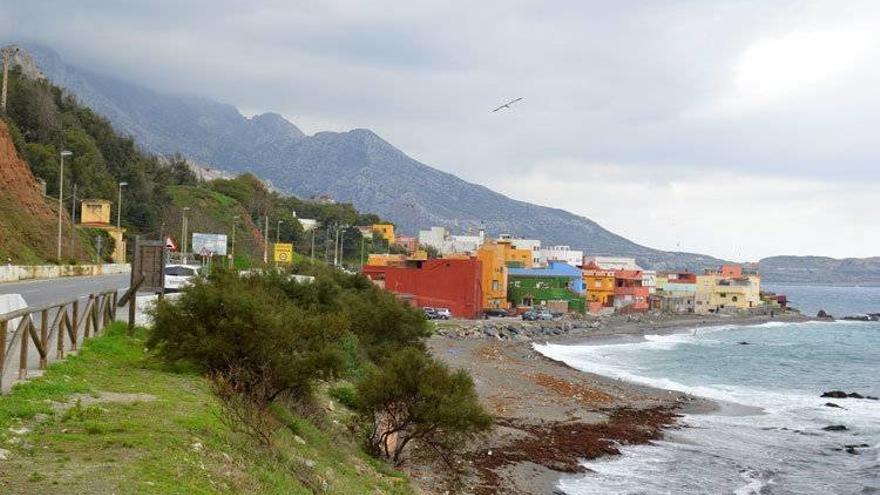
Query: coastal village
(475, 276)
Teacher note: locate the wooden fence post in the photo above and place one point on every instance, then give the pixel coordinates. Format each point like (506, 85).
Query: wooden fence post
(23, 340)
(74, 322)
(44, 338)
(59, 342)
(3, 325)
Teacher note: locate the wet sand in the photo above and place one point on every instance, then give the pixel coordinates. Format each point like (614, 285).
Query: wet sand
(550, 416)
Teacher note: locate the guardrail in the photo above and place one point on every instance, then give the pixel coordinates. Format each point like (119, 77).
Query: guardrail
(67, 320)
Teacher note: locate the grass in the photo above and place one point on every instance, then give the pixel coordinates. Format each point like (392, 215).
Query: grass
(115, 420)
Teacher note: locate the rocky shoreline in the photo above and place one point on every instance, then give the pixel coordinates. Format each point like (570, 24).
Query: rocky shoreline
(549, 416)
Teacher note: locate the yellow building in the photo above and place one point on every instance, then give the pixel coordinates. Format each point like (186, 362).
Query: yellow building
(380, 259)
(385, 230)
(599, 284)
(95, 213)
(492, 256)
(717, 292)
(521, 258)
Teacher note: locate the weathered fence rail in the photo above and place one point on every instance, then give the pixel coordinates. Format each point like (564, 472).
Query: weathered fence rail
(29, 333)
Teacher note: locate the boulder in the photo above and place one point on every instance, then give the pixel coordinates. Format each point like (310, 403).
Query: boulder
(823, 315)
(835, 428)
(744, 343)
(835, 394)
(831, 404)
(855, 395)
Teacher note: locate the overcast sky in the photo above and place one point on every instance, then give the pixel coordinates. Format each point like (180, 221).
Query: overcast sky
(740, 129)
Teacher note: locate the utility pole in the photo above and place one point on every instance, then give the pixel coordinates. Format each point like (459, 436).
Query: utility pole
(336, 247)
(119, 206)
(313, 243)
(61, 199)
(73, 225)
(232, 260)
(342, 246)
(183, 234)
(266, 242)
(8, 52)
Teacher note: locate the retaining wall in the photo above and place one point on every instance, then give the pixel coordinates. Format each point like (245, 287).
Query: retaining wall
(13, 273)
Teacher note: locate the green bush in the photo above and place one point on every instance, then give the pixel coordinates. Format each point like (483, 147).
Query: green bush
(412, 397)
(248, 324)
(346, 395)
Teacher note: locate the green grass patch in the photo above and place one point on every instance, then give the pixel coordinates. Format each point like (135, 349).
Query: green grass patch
(115, 420)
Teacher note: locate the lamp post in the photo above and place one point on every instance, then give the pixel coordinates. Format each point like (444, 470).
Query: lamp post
(61, 197)
(232, 259)
(119, 205)
(183, 233)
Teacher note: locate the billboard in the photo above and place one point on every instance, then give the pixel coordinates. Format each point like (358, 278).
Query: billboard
(209, 244)
(283, 252)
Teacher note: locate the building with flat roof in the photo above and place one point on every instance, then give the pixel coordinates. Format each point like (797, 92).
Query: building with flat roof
(95, 214)
(558, 283)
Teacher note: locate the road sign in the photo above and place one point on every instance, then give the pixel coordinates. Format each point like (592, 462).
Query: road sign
(212, 243)
(283, 252)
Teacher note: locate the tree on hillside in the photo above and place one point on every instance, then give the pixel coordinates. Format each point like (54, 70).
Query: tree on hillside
(413, 398)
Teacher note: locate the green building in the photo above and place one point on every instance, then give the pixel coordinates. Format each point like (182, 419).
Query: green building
(541, 286)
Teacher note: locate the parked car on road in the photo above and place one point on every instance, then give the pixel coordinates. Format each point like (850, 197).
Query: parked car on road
(537, 314)
(430, 313)
(499, 312)
(178, 277)
(443, 313)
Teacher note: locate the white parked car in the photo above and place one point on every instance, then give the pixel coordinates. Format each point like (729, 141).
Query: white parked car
(179, 276)
(443, 313)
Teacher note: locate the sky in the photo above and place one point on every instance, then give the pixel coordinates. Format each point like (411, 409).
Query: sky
(741, 129)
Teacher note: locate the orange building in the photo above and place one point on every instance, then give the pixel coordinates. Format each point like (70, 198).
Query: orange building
(520, 258)
(600, 286)
(492, 256)
(629, 293)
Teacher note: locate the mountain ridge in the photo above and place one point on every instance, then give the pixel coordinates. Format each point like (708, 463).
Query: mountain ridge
(355, 166)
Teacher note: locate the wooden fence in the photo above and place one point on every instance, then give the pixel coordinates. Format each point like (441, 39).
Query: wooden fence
(69, 327)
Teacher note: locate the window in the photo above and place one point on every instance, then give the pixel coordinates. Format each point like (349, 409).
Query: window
(734, 298)
(496, 285)
(723, 294)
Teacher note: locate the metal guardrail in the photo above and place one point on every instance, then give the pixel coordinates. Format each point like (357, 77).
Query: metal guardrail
(67, 321)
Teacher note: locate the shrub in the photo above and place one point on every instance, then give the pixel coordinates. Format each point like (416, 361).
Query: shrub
(346, 396)
(225, 322)
(411, 396)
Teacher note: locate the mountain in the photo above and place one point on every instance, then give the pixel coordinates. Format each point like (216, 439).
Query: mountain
(356, 166)
(819, 269)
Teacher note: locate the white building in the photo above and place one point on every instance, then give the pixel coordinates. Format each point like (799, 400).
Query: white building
(573, 257)
(649, 280)
(613, 263)
(445, 243)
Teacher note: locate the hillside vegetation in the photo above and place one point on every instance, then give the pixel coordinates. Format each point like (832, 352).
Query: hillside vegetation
(43, 120)
(114, 419)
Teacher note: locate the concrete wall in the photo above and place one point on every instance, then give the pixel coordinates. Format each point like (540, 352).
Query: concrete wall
(13, 273)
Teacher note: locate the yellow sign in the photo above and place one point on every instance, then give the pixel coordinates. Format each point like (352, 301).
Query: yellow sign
(283, 253)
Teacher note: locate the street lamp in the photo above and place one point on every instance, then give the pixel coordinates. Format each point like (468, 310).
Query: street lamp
(183, 233)
(232, 259)
(60, 198)
(278, 231)
(119, 205)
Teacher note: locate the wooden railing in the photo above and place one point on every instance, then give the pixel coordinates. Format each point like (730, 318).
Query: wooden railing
(68, 329)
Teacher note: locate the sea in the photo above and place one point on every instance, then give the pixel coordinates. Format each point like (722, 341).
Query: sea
(768, 437)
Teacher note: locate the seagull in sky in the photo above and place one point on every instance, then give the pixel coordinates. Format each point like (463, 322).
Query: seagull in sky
(507, 105)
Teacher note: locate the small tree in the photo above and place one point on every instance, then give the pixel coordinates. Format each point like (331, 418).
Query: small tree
(412, 397)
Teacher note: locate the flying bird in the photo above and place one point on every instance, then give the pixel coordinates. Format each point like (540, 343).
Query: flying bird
(507, 105)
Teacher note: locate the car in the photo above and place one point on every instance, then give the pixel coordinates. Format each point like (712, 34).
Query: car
(430, 313)
(544, 315)
(177, 277)
(530, 315)
(499, 312)
(443, 313)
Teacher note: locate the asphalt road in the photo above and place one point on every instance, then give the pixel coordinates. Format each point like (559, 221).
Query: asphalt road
(47, 291)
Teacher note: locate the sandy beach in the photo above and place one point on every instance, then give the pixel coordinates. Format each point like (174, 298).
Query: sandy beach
(550, 416)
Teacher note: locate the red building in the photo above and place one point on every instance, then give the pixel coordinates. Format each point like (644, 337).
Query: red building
(629, 294)
(438, 283)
